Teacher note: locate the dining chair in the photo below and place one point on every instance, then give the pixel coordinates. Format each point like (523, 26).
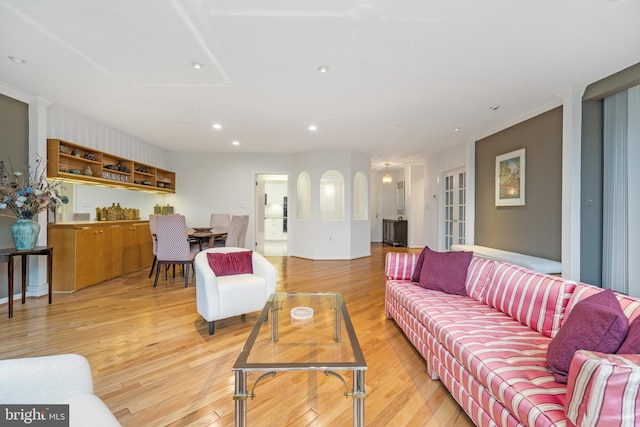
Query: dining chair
(219, 222)
(237, 231)
(173, 245)
(152, 229)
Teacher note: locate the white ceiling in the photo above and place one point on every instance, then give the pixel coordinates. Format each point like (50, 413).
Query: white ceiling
(402, 73)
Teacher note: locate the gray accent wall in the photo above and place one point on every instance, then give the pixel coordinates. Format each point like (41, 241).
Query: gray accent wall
(591, 182)
(535, 228)
(14, 146)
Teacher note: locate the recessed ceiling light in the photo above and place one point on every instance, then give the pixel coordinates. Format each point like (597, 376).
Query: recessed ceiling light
(457, 129)
(313, 128)
(16, 59)
(494, 107)
(323, 69)
(235, 143)
(217, 126)
(197, 65)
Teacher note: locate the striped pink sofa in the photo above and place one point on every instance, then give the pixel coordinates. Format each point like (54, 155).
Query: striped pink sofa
(489, 348)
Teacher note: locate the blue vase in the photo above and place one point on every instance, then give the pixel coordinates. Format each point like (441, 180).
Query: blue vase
(25, 233)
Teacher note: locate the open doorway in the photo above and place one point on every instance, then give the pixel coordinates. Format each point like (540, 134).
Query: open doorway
(271, 214)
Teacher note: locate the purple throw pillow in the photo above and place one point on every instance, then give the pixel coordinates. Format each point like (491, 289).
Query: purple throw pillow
(445, 271)
(415, 277)
(227, 264)
(631, 344)
(596, 323)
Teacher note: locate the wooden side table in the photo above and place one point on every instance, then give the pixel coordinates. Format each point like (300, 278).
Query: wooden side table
(7, 254)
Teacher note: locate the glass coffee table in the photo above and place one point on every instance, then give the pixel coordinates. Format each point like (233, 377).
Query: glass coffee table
(301, 332)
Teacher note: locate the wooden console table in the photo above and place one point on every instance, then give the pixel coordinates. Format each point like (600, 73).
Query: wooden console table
(7, 254)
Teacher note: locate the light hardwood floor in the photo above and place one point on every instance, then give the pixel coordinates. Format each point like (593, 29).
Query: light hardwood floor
(154, 363)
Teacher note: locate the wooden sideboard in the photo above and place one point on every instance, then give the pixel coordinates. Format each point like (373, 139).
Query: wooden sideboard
(394, 232)
(87, 253)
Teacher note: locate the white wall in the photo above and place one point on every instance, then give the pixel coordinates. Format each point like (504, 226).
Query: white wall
(441, 162)
(65, 124)
(73, 127)
(221, 182)
(341, 239)
(360, 229)
(89, 197)
(415, 205)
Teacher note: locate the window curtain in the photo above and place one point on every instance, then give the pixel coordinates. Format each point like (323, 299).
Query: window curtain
(615, 262)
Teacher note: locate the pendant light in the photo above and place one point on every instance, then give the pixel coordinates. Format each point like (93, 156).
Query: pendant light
(386, 179)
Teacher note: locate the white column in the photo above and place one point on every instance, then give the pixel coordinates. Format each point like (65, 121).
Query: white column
(571, 168)
(37, 284)
(471, 193)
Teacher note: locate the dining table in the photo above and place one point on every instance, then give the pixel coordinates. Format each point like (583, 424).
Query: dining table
(202, 234)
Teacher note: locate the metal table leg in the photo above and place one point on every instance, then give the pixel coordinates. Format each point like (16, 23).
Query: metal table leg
(241, 398)
(358, 398)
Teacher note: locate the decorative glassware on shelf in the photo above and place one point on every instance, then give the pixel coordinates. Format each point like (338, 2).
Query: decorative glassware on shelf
(162, 210)
(116, 213)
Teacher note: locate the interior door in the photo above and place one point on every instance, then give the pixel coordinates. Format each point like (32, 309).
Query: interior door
(455, 206)
(260, 204)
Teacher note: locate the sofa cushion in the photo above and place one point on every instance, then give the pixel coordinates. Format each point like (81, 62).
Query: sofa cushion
(631, 344)
(596, 323)
(399, 265)
(630, 306)
(504, 356)
(534, 299)
(445, 271)
(604, 388)
(227, 264)
(478, 276)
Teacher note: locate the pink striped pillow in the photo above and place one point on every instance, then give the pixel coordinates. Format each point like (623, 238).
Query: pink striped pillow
(399, 265)
(603, 389)
(533, 299)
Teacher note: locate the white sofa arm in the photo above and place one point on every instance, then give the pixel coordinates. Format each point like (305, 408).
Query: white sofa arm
(400, 265)
(46, 379)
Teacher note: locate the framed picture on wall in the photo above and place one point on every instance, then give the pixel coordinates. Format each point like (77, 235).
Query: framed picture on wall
(510, 178)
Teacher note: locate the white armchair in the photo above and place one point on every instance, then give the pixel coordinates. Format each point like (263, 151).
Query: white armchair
(59, 379)
(226, 296)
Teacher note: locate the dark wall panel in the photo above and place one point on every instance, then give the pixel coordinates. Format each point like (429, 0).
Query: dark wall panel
(533, 229)
(14, 146)
(591, 182)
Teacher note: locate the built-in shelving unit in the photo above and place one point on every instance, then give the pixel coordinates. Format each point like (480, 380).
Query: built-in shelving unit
(75, 163)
